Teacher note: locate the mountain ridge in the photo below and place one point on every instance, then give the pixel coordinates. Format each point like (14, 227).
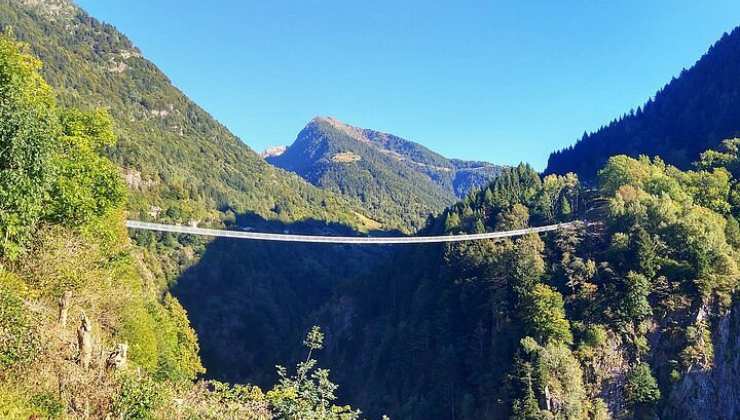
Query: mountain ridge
(398, 175)
(693, 112)
(164, 137)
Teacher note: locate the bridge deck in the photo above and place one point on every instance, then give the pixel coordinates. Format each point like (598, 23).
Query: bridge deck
(133, 224)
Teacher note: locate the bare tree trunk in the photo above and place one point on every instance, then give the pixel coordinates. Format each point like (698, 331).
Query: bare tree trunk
(117, 359)
(84, 339)
(64, 302)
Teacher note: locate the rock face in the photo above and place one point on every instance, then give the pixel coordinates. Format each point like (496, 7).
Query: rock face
(273, 151)
(54, 9)
(713, 393)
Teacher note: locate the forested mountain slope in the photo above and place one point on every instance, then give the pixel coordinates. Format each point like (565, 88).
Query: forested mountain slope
(630, 317)
(692, 113)
(87, 330)
(396, 180)
(181, 165)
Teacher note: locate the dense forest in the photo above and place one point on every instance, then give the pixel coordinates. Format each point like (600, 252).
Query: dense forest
(630, 313)
(395, 180)
(692, 113)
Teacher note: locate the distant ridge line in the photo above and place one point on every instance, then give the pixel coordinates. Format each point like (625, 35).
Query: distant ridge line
(360, 240)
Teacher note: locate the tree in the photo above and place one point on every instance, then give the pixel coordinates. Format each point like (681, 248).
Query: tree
(479, 227)
(526, 266)
(87, 184)
(526, 407)
(641, 387)
(515, 217)
(544, 316)
(647, 253)
(309, 393)
(452, 221)
(549, 381)
(634, 305)
(27, 131)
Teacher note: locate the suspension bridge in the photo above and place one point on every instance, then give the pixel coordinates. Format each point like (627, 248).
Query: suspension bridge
(360, 240)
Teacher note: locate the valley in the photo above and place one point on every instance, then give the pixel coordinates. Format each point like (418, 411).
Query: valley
(633, 316)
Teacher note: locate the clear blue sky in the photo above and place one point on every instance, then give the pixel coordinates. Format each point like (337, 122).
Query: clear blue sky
(499, 81)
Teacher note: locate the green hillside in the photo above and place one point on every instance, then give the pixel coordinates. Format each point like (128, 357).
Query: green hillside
(398, 181)
(87, 330)
(693, 112)
(631, 316)
(164, 138)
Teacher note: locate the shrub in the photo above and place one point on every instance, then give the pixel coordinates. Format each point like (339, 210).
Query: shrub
(27, 131)
(641, 387)
(138, 398)
(19, 342)
(47, 405)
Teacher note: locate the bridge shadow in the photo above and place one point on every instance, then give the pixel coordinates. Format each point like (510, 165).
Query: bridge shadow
(251, 302)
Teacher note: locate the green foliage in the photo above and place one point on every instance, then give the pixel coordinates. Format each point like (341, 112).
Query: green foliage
(160, 339)
(699, 349)
(139, 398)
(177, 344)
(309, 393)
(27, 132)
(140, 330)
(527, 265)
(87, 185)
(551, 374)
(213, 400)
(452, 222)
(515, 217)
(14, 405)
(634, 305)
(641, 386)
(666, 209)
(732, 231)
(19, 341)
(314, 339)
(47, 405)
(544, 316)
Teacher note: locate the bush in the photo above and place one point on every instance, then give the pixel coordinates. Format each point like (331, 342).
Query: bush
(641, 387)
(27, 132)
(87, 185)
(138, 398)
(47, 405)
(19, 342)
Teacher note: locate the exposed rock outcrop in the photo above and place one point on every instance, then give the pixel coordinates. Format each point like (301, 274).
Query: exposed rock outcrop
(712, 393)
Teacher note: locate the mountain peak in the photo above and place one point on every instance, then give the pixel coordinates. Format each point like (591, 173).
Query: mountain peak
(273, 151)
(356, 133)
(326, 119)
(398, 181)
(332, 121)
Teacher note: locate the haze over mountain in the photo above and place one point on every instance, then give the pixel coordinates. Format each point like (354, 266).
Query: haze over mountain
(692, 113)
(398, 181)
